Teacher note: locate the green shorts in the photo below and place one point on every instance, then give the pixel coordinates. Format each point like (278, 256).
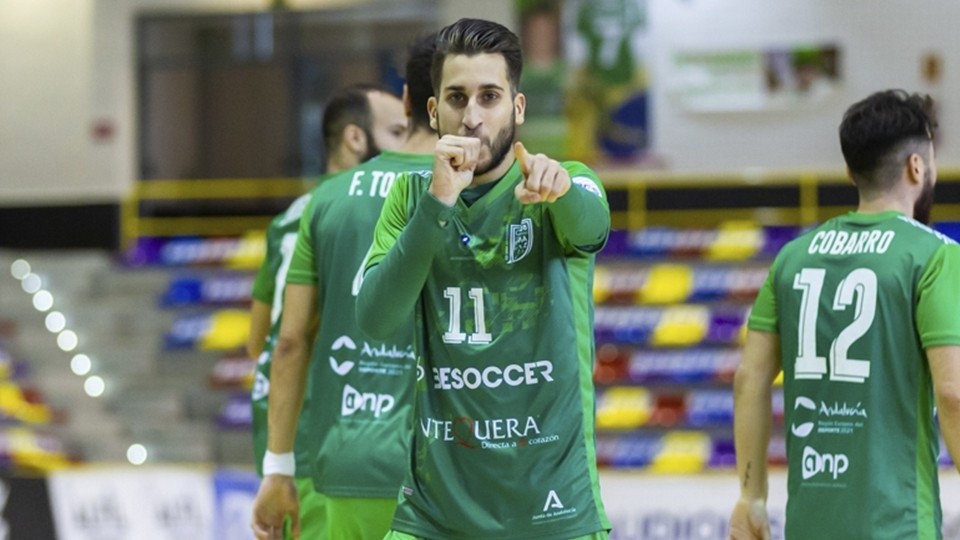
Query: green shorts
(354, 518)
(394, 535)
(313, 512)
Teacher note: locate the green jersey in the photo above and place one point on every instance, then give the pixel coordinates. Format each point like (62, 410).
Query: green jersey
(359, 429)
(503, 443)
(268, 288)
(856, 302)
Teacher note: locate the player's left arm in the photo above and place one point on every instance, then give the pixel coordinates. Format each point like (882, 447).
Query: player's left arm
(576, 200)
(939, 329)
(945, 372)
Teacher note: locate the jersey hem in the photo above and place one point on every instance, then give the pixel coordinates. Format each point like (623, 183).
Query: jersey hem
(763, 325)
(412, 529)
(357, 493)
(939, 341)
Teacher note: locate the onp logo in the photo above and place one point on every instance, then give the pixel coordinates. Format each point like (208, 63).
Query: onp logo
(354, 401)
(805, 428)
(814, 463)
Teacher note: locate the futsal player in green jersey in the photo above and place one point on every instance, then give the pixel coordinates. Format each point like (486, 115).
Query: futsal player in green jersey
(358, 121)
(494, 258)
(359, 430)
(860, 313)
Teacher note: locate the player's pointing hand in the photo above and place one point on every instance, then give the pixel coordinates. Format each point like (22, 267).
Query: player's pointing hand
(544, 179)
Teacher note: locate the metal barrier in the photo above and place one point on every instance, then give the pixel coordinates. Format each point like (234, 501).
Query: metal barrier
(637, 200)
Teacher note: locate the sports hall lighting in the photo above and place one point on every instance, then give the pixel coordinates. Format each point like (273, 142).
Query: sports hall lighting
(55, 322)
(42, 300)
(137, 454)
(19, 269)
(30, 283)
(80, 364)
(94, 386)
(67, 340)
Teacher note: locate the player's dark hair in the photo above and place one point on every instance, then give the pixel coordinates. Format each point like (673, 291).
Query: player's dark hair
(419, 87)
(477, 36)
(879, 133)
(350, 105)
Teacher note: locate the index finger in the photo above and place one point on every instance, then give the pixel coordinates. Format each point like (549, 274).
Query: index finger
(521, 154)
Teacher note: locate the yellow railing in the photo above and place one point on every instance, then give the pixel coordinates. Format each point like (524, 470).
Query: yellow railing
(630, 192)
(135, 225)
(804, 186)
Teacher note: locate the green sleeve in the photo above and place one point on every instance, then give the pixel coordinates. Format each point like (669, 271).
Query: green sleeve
(399, 260)
(303, 270)
(392, 220)
(581, 218)
(763, 316)
(266, 281)
(938, 297)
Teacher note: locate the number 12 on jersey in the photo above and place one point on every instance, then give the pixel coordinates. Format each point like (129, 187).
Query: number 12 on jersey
(858, 289)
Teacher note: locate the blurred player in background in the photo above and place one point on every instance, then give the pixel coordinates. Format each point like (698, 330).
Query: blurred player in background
(861, 315)
(361, 426)
(358, 122)
(494, 257)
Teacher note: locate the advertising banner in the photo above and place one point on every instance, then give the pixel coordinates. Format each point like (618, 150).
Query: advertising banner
(162, 503)
(235, 490)
(697, 507)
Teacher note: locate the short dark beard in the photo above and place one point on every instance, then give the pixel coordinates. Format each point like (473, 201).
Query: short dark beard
(924, 202)
(372, 149)
(499, 149)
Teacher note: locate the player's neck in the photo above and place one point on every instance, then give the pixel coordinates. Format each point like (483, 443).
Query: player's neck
(495, 173)
(421, 141)
(340, 161)
(888, 202)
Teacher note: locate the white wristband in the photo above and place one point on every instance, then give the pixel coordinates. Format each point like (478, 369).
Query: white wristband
(279, 464)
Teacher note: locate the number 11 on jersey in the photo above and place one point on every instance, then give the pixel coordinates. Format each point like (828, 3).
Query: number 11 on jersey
(454, 334)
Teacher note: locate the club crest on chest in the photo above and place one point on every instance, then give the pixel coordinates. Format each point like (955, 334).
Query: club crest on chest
(519, 240)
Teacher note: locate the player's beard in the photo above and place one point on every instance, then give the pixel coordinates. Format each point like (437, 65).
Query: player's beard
(499, 148)
(372, 149)
(923, 204)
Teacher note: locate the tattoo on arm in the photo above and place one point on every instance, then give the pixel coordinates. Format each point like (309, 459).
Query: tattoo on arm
(746, 474)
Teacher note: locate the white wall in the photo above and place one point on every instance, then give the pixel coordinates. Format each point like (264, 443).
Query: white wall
(45, 86)
(65, 64)
(881, 42)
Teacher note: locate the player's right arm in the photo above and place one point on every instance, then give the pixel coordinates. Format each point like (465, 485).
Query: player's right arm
(277, 496)
(263, 290)
(752, 417)
(259, 327)
(396, 267)
(759, 366)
